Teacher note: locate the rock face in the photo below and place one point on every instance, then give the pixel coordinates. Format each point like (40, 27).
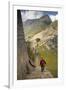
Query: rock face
(46, 31)
(23, 66)
(44, 19)
(48, 38)
(33, 26)
(42, 28)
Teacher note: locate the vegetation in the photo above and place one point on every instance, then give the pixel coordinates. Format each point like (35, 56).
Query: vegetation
(51, 59)
(50, 55)
(55, 25)
(37, 40)
(32, 27)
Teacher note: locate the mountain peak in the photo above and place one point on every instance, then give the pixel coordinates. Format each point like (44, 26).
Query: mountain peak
(45, 19)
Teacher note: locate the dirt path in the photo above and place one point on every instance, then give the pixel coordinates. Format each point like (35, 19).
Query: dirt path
(38, 74)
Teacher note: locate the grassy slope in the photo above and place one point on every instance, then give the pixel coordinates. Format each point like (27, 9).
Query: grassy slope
(35, 28)
(30, 31)
(51, 59)
(49, 55)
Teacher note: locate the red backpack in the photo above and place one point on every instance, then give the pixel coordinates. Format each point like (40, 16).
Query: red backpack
(42, 62)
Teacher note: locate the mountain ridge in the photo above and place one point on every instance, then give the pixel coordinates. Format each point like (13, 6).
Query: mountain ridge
(43, 18)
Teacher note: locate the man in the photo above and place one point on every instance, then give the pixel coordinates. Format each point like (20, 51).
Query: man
(42, 64)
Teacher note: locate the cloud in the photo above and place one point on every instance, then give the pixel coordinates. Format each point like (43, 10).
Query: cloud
(31, 15)
(26, 14)
(54, 17)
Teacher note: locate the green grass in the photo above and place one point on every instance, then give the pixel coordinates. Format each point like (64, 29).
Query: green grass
(51, 59)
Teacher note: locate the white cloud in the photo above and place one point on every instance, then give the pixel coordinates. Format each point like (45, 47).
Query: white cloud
(31, 15)
(53, 18)
(35, 15)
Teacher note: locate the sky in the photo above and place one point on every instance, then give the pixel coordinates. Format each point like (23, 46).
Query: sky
(27, 14)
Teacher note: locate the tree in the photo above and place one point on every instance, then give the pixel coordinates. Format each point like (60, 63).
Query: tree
(37, 40)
